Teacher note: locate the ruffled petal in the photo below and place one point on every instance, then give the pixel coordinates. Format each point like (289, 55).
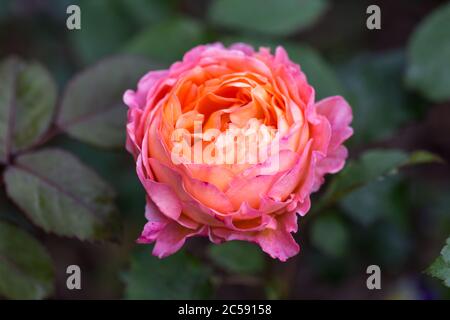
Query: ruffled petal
(171, 239)
(279, 243)
(156, 222)
(339, 115)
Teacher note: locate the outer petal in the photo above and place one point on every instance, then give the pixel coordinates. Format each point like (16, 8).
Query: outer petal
(248, 50)
(137, 102)
(164, 197)
(156, 222)
(339, 115)
(138, 98)
(171, 239)
(279, 243)
(338, 112)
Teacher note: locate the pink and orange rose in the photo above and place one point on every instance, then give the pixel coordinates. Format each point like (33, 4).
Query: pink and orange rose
(229, 143)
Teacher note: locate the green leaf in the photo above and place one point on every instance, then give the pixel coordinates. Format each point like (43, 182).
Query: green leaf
(179, 276)
(168, 41)
(59, 194)
(92, 109)
(273, 17)
(27, 102)
(384, 198)
(428, 56)
(10, 213)
(330, 235)
(373, 164)
(379, 199)
(237, 257)
(422, 156)
(441, 266)
(26, 270)
(370, 166)
(145, 12)
(374, 90)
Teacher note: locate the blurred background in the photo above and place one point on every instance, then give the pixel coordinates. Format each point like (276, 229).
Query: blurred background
(395, 78)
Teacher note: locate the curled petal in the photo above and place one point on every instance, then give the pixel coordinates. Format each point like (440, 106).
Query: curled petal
(208, 194)
(156, 222)
(249, 190)
(293, 179)
(171, 239)
(279, 243)
(339, 115)
(164, 197)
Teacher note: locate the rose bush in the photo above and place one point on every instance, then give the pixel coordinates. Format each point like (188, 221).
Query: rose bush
(224, 90)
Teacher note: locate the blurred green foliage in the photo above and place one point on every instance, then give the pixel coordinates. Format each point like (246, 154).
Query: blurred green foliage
(150, 43)
(329, 234)
(238, 257)
(374, 89)
(272, 18)
(429, 53)
(180, 276)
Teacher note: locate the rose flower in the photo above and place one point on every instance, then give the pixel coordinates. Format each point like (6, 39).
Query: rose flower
(229, 143)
